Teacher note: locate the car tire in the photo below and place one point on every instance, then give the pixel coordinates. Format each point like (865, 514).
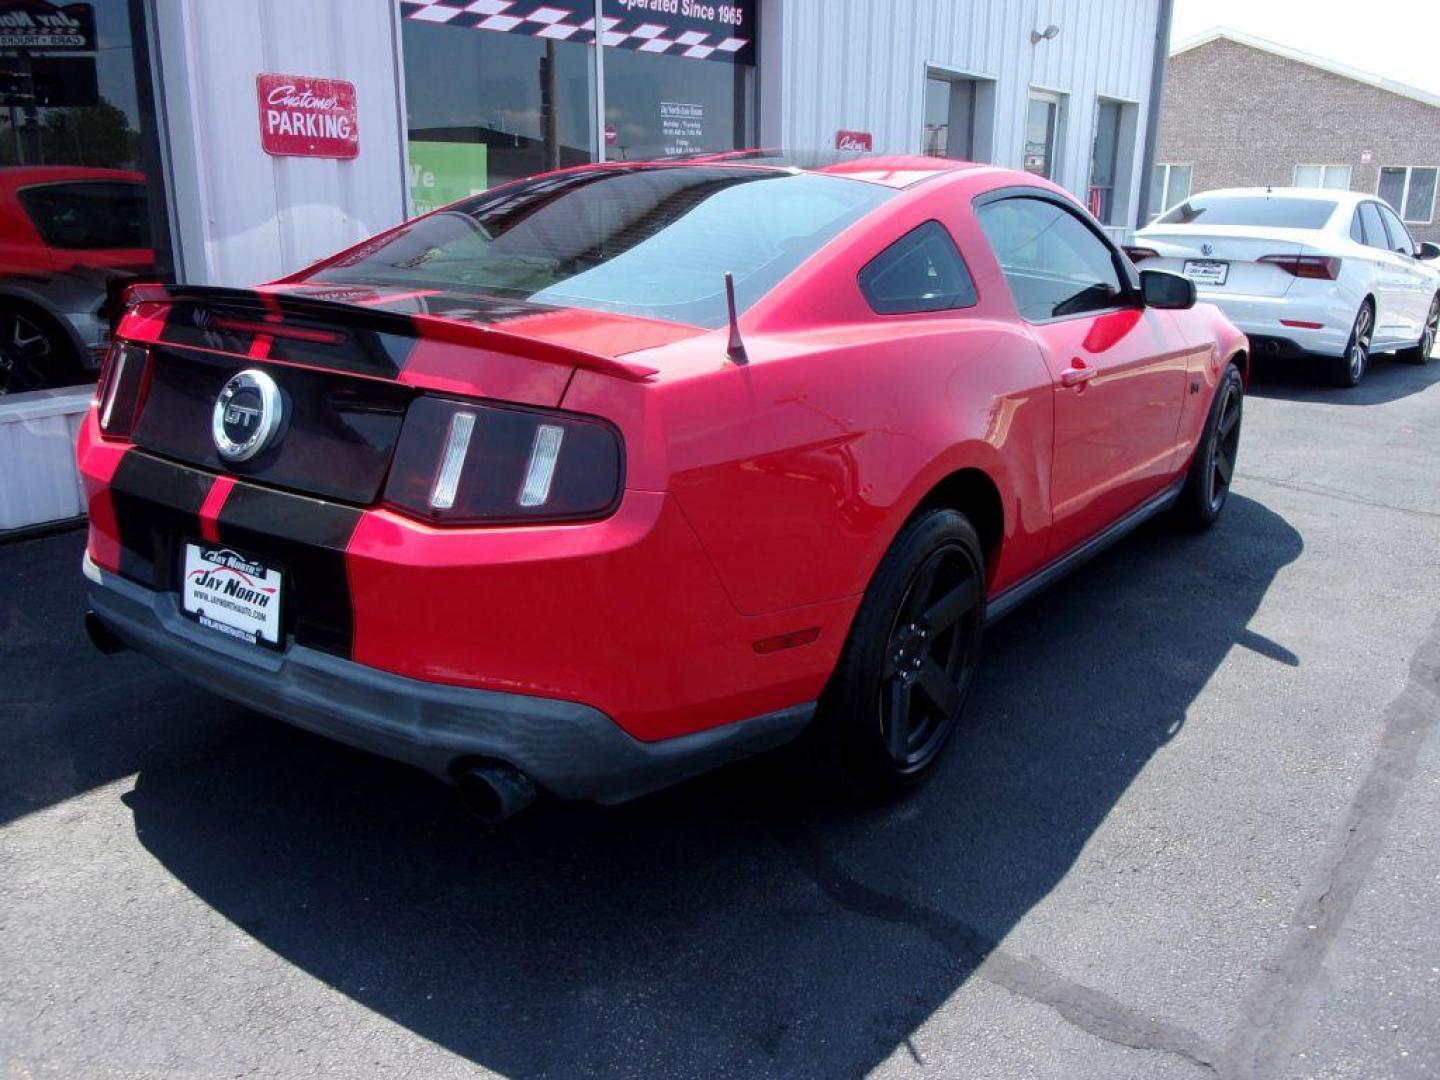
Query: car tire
(897, 694)
(1420, 353)
(35, 351)
(1207, 483)
(1347, 370)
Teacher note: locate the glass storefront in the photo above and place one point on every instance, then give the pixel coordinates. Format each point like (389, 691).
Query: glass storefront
(659, 106)
(81, 210)
(501, 89)
(509, 105)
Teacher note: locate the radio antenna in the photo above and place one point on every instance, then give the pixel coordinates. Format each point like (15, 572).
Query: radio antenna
(736, 349)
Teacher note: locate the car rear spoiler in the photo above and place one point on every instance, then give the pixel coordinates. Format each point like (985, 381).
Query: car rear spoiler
(276, 309)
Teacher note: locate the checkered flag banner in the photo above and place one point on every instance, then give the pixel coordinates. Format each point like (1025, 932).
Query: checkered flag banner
(696, 31)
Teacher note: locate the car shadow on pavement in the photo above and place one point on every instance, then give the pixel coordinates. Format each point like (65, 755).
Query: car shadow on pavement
(71, 719)
(733, 925)
(1387, 379)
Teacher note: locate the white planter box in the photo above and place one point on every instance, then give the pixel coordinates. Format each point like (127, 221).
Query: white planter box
(38, 480)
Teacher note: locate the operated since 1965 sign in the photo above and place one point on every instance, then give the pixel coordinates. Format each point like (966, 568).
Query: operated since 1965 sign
(305, 117)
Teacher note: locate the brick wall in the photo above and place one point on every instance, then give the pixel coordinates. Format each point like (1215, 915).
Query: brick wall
(1245, 117)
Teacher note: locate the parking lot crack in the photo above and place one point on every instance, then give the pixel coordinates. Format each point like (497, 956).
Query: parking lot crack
(1271, 1009)
(1090, 1010)
(1335, 493)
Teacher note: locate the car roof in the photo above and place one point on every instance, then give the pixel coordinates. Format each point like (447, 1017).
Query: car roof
(889, 170)
(13, 177)
(1349, 198)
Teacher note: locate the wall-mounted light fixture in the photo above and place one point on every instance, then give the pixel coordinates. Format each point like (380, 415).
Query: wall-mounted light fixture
(1048, 34)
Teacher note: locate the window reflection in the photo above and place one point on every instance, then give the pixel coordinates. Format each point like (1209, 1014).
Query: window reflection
(493, 97)
(75, 205)
(659, 106)
(508, 105)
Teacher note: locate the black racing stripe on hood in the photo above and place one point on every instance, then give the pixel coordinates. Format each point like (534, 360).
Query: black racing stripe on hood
(157, 506)
(307, 538)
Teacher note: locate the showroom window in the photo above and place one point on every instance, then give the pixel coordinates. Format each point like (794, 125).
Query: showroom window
(525, 89)
(82, 212)
(693, 96)
(1169, 186)
(1335, 177)
(1042, 133)
(511, 104)
(959, 116)
(1411, 191)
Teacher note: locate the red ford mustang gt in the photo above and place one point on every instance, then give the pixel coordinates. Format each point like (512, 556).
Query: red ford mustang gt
(605, 477)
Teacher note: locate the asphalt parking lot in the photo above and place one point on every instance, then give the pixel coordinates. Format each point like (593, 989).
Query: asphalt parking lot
(1190, 830)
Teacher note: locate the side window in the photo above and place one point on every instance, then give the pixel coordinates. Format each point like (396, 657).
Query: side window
(922, 271)
(1374, 228)
(90, 215)
(1399, 235)
(1055, 266)
(1357, 230)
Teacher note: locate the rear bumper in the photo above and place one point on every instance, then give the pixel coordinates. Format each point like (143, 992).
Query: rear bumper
(625, 614)
(1260, 318)
(573, 750)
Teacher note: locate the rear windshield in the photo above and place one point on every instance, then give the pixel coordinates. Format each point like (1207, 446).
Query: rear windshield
(90, 215)
(651, 241)
(1280, 213)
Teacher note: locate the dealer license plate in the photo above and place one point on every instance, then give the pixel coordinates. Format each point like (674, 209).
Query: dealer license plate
(231, 594)
(1206, 271)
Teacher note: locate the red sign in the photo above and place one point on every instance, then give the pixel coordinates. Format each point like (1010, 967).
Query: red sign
(304, 117)
(853, 140)
(611, 135)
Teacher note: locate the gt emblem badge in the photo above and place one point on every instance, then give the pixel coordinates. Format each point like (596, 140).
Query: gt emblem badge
(1207, 249)
(247, 415)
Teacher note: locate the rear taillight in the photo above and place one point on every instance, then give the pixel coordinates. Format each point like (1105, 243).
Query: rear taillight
(1323, 267)
(1140, 254)
(121, 392)
(467, 463)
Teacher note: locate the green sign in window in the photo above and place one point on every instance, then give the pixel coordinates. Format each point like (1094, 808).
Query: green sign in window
(441, 172)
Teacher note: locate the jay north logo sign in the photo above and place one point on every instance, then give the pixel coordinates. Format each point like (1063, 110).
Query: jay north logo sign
(37, 24)
(230, 575)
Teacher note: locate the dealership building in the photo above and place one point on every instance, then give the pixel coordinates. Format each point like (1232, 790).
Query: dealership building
(234, 142)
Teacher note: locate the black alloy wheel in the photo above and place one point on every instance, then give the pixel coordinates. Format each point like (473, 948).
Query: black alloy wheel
(931, 656)
(899, 689)
(1224, 447)
(27, 353)
(1212, 468)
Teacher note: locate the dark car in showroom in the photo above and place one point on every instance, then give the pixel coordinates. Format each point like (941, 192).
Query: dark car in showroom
(68, 235)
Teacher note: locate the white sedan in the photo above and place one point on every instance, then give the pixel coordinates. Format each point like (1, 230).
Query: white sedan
(1305, 272)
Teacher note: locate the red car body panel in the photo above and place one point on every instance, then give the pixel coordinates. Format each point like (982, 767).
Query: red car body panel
(23, 250)
(758, 498)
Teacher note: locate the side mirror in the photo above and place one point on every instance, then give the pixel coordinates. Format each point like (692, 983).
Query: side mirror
(1428, 251)
(1162, 289)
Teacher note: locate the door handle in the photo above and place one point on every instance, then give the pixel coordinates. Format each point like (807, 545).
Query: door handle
(1077, 374)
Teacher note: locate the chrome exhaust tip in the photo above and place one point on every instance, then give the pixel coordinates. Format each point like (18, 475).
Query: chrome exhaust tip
(493, 792)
